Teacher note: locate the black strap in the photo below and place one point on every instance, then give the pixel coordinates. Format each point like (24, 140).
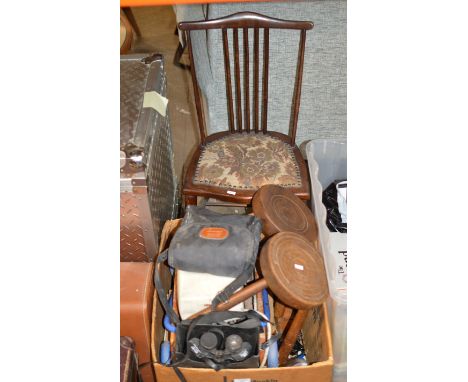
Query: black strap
(215, 366)
(238, 282)
(160, 289)
(179, 374)
(176, 369)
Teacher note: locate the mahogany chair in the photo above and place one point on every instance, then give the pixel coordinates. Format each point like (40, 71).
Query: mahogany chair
(231, 165)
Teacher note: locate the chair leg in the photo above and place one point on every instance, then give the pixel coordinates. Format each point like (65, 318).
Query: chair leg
(178, 56)
(128, 12)
(190, 200)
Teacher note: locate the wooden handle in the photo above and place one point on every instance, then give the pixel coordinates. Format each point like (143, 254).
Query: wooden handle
(236, 298)
(291, 336)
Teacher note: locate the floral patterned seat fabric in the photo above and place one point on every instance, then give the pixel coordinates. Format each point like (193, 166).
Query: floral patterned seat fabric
(247, 161)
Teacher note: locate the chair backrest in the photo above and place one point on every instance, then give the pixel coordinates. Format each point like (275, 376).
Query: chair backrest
(246, 21)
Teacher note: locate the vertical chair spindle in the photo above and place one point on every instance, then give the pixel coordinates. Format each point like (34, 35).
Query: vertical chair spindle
(198, 104)
(256, 73)
(266, 54)
(235, 37)
(246, 81)
(227, 72)
(297, 87)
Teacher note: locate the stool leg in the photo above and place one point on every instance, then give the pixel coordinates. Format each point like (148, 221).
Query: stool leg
(279, 309)
(282, 315)
(291, 335)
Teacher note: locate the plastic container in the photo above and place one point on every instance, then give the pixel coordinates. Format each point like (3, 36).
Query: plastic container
(327, 159)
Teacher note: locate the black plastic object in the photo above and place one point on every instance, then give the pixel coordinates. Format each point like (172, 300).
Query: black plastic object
(219, 340)
(233, 343)
(330, 201)
(209, 340)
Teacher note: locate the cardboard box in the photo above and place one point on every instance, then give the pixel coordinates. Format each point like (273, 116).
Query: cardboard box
(317, 342)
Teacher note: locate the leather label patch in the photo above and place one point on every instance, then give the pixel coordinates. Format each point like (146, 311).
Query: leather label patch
(214, 233)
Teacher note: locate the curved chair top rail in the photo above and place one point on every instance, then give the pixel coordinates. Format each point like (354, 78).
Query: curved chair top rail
(245, 20)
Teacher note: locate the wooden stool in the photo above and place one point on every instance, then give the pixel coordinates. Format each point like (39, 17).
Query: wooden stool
(282, 211)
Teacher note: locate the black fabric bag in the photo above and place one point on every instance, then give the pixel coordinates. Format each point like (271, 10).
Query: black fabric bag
(244, 324)
(213, 243)
(208, 242)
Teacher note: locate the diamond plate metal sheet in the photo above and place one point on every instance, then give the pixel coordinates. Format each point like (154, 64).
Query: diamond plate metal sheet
(138, 74)
(137, 240)
(132, 84)
(162, 182)
(145, 208)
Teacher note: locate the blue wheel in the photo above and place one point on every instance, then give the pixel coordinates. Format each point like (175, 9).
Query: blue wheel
(272, 360)
(165, 352)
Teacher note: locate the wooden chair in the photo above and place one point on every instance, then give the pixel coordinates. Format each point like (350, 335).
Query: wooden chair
(232, 165)
(126, 33)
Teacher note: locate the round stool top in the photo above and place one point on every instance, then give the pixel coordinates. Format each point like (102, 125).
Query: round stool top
(282, 211)
(294, 270)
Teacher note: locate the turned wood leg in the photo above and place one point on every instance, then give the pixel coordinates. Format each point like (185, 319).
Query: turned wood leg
(291, 336)
(282, 315)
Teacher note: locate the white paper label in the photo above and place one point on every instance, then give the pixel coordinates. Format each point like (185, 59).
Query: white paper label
(242, 380)
(338, 248)
(231, 192)
(299, 266)
(156, 101)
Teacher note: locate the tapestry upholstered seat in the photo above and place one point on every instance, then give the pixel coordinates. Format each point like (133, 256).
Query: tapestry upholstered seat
(247, 161)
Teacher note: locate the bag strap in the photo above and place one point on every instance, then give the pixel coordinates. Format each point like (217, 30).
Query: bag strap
(238, 282)
(160, 289)
(246, 272)
(179, 374)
